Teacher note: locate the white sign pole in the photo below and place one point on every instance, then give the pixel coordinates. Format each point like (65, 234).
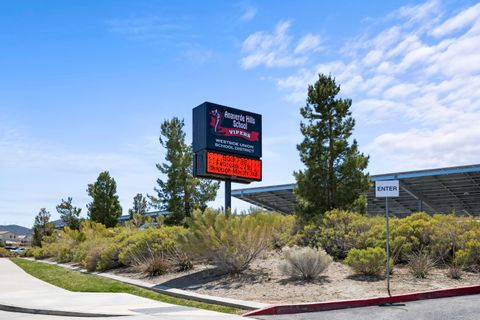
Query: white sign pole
(387, 189)
(388, 246)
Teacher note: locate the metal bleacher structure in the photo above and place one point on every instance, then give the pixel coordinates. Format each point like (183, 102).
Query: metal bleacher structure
(444, 190)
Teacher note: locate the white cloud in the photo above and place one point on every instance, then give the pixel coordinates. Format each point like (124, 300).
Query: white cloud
(463, 19)
(422, 15)
(307, 43)
(276, 49)
(400, 91)
(248, 14)
(423, 90)
(373, 57)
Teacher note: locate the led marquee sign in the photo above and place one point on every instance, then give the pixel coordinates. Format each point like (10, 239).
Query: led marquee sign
(234, 166)
(227, 143)
(226, 129)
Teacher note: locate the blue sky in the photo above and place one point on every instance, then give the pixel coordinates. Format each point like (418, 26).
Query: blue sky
(84, 85)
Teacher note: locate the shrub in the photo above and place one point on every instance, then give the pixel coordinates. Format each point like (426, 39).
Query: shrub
(307, 236)
(469, 257)
(39, 253)
(454, 272)
(4, 253)
(306, 262)
(179, 260)
(284, 231)
(370, 261)
(231, 243)
(92, 258)
(108, 258)
(342, 230)
(416, 231)
(152, 263)
(161, 241)
(420, 265)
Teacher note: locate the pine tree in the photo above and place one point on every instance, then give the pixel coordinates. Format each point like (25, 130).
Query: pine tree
(105, 207)
(69, 214)
(179, 193)
(42, 227)
(334, 168)
(140, 205)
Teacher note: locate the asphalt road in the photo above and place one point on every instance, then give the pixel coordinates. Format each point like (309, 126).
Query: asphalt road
(457, 308)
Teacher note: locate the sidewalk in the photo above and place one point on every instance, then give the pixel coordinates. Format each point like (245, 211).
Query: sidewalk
(20, 290)
(184, 294)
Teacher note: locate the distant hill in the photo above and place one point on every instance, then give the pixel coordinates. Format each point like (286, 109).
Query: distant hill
(19, 230)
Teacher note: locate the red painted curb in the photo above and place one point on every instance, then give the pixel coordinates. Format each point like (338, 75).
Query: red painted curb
(344, 304)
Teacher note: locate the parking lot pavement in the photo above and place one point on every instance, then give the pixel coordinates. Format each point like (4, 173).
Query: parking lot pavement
(457, 308)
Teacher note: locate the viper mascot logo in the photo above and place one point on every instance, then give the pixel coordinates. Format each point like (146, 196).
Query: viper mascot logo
(216, 119)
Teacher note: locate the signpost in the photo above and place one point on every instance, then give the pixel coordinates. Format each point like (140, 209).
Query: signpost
(227, 145)
(388, 188)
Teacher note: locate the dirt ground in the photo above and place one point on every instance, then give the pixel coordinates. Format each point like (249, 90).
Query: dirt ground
(263, 282)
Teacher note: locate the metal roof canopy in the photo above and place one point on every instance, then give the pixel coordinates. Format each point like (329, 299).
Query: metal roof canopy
(443, 190)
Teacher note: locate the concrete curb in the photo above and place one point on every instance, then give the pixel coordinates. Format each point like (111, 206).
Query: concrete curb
(17, 309)
(344, 304)
(177, 293)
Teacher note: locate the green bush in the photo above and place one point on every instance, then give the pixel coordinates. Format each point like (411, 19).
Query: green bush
(469, 257)
(342, 230)
(39, 253)
(439, 235)
(231, 243)
(284, 231)
(370, 261)
(152, 240)
(4, 253)
(108, 258)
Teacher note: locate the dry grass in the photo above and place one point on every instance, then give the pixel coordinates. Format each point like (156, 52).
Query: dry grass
(308, 263)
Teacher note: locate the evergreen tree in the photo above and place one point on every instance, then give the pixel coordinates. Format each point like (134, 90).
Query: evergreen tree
(140, 205)
(42, 227)
(179, 192)
(334, 168)
(69, 214)
(105, 207)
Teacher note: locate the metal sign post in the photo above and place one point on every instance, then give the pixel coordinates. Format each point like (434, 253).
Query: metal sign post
(227, 145)
(387, 189)
(228, 197)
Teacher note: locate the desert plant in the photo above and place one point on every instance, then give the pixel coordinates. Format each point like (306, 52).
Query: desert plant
(4, 253)
(231, 243)
(370, 261)
(158, 240)
(150, 262)
(179, 259)
(454, 272)
(92, 258)
(420, 265)
(39, 253)
(109, 256)
(306, 262)
(285, 230)
(470, 255)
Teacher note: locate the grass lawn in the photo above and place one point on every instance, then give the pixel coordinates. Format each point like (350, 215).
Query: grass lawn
(83, 282)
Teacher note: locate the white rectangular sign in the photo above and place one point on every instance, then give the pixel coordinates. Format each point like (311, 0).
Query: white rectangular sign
(388, 188)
